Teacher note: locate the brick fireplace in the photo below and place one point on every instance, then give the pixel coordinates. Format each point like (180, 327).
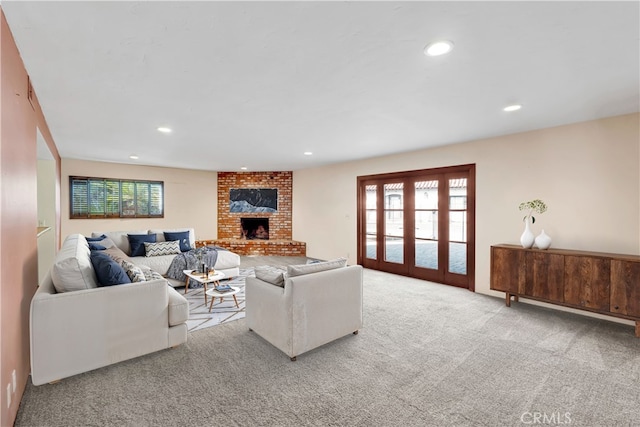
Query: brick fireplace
(237, 231)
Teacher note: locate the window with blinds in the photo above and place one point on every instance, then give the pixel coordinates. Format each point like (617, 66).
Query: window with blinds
(115, 198)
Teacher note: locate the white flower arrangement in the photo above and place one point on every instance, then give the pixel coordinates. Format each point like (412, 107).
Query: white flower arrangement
(537, 206)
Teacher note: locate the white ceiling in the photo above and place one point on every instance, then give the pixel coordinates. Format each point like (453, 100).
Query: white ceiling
(256, 84)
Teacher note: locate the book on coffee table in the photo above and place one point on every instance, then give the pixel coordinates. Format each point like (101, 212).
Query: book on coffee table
(224, 288)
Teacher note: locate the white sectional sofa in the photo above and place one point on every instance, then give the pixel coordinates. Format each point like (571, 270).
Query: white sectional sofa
(227, 262)
(77, 326)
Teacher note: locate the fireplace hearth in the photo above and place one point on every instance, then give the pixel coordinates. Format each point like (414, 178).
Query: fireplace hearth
(254, 228)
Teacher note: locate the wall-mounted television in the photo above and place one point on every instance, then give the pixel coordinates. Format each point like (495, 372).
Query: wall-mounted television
(253, 200)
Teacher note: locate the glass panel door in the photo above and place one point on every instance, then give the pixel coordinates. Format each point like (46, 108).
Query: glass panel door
(426, 224)
(394, 223)
(457, 225)
(425, 232)
(371, 218)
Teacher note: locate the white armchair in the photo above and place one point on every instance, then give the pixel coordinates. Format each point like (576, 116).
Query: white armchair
(309, 311)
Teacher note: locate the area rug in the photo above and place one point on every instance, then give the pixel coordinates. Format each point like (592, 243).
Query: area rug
(222, 312)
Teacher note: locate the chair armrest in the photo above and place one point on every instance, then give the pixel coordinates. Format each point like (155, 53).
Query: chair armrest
(268, 310)
(325, 306)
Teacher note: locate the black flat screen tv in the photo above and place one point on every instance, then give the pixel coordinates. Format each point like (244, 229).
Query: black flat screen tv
(253, 200)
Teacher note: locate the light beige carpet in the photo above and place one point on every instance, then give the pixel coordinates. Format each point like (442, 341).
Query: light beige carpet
(428, 355)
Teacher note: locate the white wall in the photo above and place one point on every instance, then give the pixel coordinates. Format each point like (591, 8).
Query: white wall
(588, 174)
(190, 198)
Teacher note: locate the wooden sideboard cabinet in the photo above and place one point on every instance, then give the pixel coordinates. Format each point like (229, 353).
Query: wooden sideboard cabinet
(598, 282)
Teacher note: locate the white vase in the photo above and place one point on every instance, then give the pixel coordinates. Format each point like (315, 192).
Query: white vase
(543, 241)
(527, 238)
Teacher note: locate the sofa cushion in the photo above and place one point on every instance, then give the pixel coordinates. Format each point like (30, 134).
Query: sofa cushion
(162, 248)
(160, 263)
(300, 269)
(72, 269)
(95, 238)
(119, 238)
(134, 272)
(227, 259)
(273, 275)
(108, 271)
(136, 242)
(96, 247)
(181, 236)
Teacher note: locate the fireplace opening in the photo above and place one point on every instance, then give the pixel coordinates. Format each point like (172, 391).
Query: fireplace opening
(254, 228)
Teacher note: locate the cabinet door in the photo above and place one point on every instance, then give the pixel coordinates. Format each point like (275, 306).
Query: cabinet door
(507, 269)
(544, 276)
(586, 282)
(625, 284)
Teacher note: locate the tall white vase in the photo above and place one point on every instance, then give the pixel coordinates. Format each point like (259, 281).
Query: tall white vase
(527, 238)
(543, 241)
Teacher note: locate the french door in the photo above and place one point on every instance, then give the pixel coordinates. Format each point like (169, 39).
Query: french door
(419, 224)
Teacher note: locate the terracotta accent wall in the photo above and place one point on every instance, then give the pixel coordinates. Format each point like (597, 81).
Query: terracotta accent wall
(279, 222)
(20, 117)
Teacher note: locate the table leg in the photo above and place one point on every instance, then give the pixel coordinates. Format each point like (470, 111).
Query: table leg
(211, 306)
(236, 300)
(204, 285)
(186, 285)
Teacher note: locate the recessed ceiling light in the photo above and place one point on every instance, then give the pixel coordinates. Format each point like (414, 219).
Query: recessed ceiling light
(244, 168)
(308, 153)
(514, 107)
(133, 157)
(164, 129)
(438, 48)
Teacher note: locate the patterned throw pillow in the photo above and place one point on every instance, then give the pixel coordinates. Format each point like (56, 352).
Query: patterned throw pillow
(133, 271)
(150, 274)
(162, 248)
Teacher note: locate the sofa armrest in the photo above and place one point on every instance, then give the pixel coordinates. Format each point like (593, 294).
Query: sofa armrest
(78, 331)
(178, 308)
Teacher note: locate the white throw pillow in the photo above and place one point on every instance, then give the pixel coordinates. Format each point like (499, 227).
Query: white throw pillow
(301, 269)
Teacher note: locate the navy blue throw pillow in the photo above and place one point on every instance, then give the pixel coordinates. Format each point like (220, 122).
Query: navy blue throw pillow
(108, 271)
(96, 247)
(136, 241)
(95, 239)
(181, 236)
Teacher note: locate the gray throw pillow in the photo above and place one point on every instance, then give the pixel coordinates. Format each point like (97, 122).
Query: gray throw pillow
(301, 269)
(269, 274)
